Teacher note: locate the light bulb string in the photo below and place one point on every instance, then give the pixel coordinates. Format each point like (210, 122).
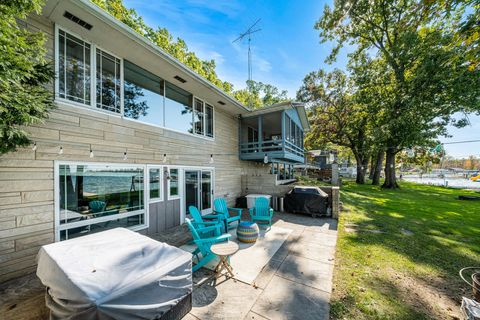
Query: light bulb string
(209, 155)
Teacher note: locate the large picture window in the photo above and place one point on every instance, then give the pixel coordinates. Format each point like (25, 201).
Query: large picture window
(97, 197)
(178, 108)
(108, 82)
(73, 68)
(143, 96)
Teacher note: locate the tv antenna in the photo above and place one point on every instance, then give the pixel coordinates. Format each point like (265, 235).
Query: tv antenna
(248, 34)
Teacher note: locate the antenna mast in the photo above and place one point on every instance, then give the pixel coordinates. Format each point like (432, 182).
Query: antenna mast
(248, 34)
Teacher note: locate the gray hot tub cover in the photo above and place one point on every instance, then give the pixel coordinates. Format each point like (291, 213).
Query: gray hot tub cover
(117, 274)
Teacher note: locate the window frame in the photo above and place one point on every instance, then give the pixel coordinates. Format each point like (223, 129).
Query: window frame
(121, 80)
(57, 68)
(58, 227)
(178, 195)
(160, 198)
(205, 119)
(93, 88)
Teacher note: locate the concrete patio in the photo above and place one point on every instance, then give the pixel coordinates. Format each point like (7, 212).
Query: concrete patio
(295, 284)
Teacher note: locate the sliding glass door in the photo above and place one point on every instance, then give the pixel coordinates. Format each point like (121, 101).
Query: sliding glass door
(199, 189)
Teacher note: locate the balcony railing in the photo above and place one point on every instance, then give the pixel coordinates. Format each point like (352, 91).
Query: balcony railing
(268, 146)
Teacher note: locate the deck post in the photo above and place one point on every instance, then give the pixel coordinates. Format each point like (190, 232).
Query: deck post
(283, 130)
(260, 132)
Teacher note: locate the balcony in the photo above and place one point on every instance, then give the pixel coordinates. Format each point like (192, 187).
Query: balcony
(273, 149)
(276, 133)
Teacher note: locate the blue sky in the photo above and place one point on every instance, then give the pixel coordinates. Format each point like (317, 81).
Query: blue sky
(284, 51)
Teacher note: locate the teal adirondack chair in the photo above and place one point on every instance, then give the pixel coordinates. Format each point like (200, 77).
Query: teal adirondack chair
(204, 244)
(222, 210)
(199, 223)
(262, 211)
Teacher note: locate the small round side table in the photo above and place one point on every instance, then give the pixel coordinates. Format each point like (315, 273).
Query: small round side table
(224, 250)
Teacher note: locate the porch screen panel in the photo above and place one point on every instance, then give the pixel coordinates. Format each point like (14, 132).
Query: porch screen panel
(96, 197)
(74, 68)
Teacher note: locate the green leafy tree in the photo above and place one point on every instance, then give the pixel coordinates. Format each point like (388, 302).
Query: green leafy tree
(256, 95)
(25, 98)
(427, 72)
(162, 38)
(259, 94)
(336, 116)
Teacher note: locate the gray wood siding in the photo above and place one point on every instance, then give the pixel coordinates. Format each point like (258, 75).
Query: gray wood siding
(27, 176)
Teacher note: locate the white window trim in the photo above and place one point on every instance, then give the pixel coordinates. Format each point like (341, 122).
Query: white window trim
(204, 120)
(160, 168)
(213, 120)
(60, 227)
(93, 98)
(178, 196)
(94, 86)
(57, 68)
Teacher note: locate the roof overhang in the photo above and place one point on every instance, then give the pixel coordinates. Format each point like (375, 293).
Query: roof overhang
(286, 105)
(114, 36)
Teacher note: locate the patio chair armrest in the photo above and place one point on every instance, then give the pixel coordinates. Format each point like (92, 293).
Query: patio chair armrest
(225, 236)
(238, 210)
(213, 216)
(270, 211)
(211, 228)
(206, 223)
(251, 211)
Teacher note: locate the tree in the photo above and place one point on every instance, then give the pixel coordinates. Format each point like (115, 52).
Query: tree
(427, 72)
(336, 116)
(259, 94)
(256, 95)
(25, 73)
(162, 38)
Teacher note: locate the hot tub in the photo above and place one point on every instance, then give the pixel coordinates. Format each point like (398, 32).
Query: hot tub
(252, 197)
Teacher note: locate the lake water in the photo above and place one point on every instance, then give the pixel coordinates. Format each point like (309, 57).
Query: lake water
(453, 182)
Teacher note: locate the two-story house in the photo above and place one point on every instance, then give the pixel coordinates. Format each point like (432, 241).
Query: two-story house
(136, 139)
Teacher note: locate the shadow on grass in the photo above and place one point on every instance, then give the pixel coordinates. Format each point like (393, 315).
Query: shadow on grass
(443, 236)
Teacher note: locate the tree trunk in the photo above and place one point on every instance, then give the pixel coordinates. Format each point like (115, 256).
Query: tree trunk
(362, 164)
(378, 168)
(390, 178)
(360, 174)
(372, 167)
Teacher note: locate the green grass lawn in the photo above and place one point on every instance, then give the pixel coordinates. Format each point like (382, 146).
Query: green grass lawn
(399, 252)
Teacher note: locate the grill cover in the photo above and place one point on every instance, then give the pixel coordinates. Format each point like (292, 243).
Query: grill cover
(308, 200)
(114, 274)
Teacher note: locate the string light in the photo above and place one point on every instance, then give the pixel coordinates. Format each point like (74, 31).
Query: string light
(34, 146)
(265, 158)
(60, 151)
(91, 153)
(164, 158)
(211, 158)
(125, 156)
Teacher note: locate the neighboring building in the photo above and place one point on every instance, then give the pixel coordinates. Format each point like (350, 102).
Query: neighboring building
(136, 139)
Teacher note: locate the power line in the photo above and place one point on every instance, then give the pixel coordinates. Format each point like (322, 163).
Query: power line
(464, 141)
